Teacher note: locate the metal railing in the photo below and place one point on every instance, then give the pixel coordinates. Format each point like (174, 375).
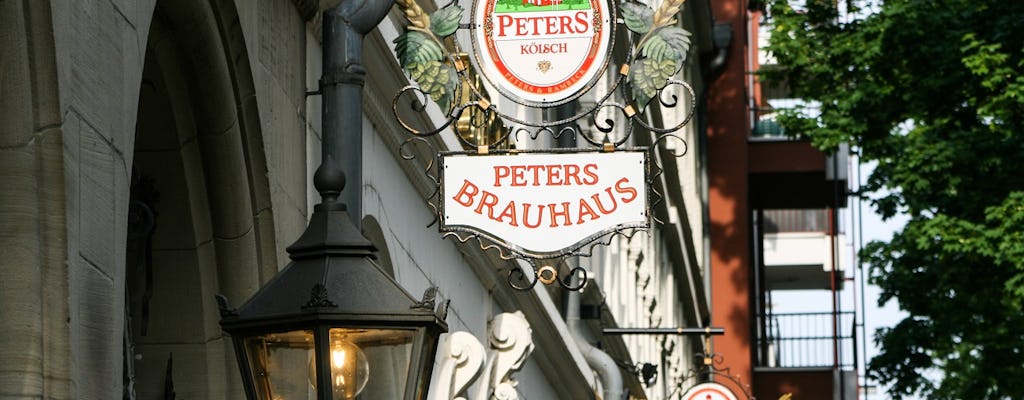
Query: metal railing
(779, 220)
(805, 340)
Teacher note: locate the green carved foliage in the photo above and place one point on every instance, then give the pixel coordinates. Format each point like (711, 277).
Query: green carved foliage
(676, 38)
(661, 51)
(415, 47)
(421, 54)
(638, 17)
(445, 21)
(662, 54)
(649, 75)
(436, 79)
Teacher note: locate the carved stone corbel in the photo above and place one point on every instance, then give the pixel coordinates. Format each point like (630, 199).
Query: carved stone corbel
(511, 341)
(462, 361)
(462, 357)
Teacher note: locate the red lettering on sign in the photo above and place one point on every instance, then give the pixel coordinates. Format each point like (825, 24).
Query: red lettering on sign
(489, 200)
(546, 175)
(543, 26)
(586, 210)
(591, 171)
(526, 215)
(500, 171)
(510, 212)
(624, 190)
(554, 175)
(468, 191)
(589, 207)
(564, 214)
(572, 173)
(600, 205)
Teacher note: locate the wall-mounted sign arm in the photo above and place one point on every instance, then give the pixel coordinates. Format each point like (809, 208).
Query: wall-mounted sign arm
(664, 331)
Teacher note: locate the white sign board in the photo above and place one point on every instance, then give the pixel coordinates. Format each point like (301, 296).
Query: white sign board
(709, 391)
(542, 51)
(544, 203)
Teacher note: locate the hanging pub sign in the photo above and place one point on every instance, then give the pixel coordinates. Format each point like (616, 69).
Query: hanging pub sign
(709, 391)
(544, 204)
(542, 54)
(542, 51)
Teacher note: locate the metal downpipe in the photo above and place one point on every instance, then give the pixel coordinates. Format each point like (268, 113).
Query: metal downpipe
(602, 363)
(341, 86)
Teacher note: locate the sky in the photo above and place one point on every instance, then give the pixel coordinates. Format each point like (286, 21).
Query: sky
(874, 228)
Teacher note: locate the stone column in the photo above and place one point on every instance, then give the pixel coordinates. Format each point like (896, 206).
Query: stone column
(34, 355)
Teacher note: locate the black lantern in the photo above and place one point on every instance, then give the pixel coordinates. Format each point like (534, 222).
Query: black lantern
(333, 325)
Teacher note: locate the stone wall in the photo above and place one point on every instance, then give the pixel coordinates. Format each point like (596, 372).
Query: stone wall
(33, 290)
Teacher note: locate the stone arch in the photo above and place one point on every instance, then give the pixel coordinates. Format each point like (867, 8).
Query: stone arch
(199, 145)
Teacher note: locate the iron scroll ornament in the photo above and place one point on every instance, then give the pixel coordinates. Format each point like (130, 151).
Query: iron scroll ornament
(429, 54)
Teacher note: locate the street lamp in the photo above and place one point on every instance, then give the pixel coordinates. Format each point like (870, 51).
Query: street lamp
(332, 324)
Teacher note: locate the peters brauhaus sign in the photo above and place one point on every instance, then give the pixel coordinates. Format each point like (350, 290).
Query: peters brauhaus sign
(544, 203)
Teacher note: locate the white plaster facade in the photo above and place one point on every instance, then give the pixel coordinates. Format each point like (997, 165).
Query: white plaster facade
(207, 99)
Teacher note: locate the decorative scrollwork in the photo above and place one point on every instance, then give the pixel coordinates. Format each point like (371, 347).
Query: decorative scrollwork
(575, 272)
(319, 298)
(407, 150)
(548, 274)
(521, 277)
(226, 310)
(678, 150)
(709, 368)
(429, 299)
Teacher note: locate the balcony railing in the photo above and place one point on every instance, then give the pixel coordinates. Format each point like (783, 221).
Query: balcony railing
(795, 220)
(806, 340)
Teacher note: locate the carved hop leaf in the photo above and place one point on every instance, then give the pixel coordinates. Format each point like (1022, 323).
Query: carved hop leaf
(678, 39)
(420, 52)
(445, 21)
(435, 78)
(658, 49)
(637, 17)
(663, 52)
(647, 76)
(414, 47)
(665, 43)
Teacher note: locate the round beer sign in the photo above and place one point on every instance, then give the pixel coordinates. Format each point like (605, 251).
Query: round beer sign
(709, 391)
(542, 51)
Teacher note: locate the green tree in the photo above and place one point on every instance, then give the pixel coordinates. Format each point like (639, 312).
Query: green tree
(933, 91)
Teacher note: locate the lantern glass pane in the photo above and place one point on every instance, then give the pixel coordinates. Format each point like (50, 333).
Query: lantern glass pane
(281, 365)
(380, 367)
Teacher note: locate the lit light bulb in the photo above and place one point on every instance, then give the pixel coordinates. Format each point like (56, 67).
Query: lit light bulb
(349, 369)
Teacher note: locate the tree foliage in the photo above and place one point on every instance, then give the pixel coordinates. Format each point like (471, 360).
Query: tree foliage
(933, 91)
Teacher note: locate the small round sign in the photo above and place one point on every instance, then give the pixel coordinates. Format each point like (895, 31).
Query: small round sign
(709, 391)
(542, 52)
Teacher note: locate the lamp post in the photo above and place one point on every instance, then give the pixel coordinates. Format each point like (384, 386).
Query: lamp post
(332, 324)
